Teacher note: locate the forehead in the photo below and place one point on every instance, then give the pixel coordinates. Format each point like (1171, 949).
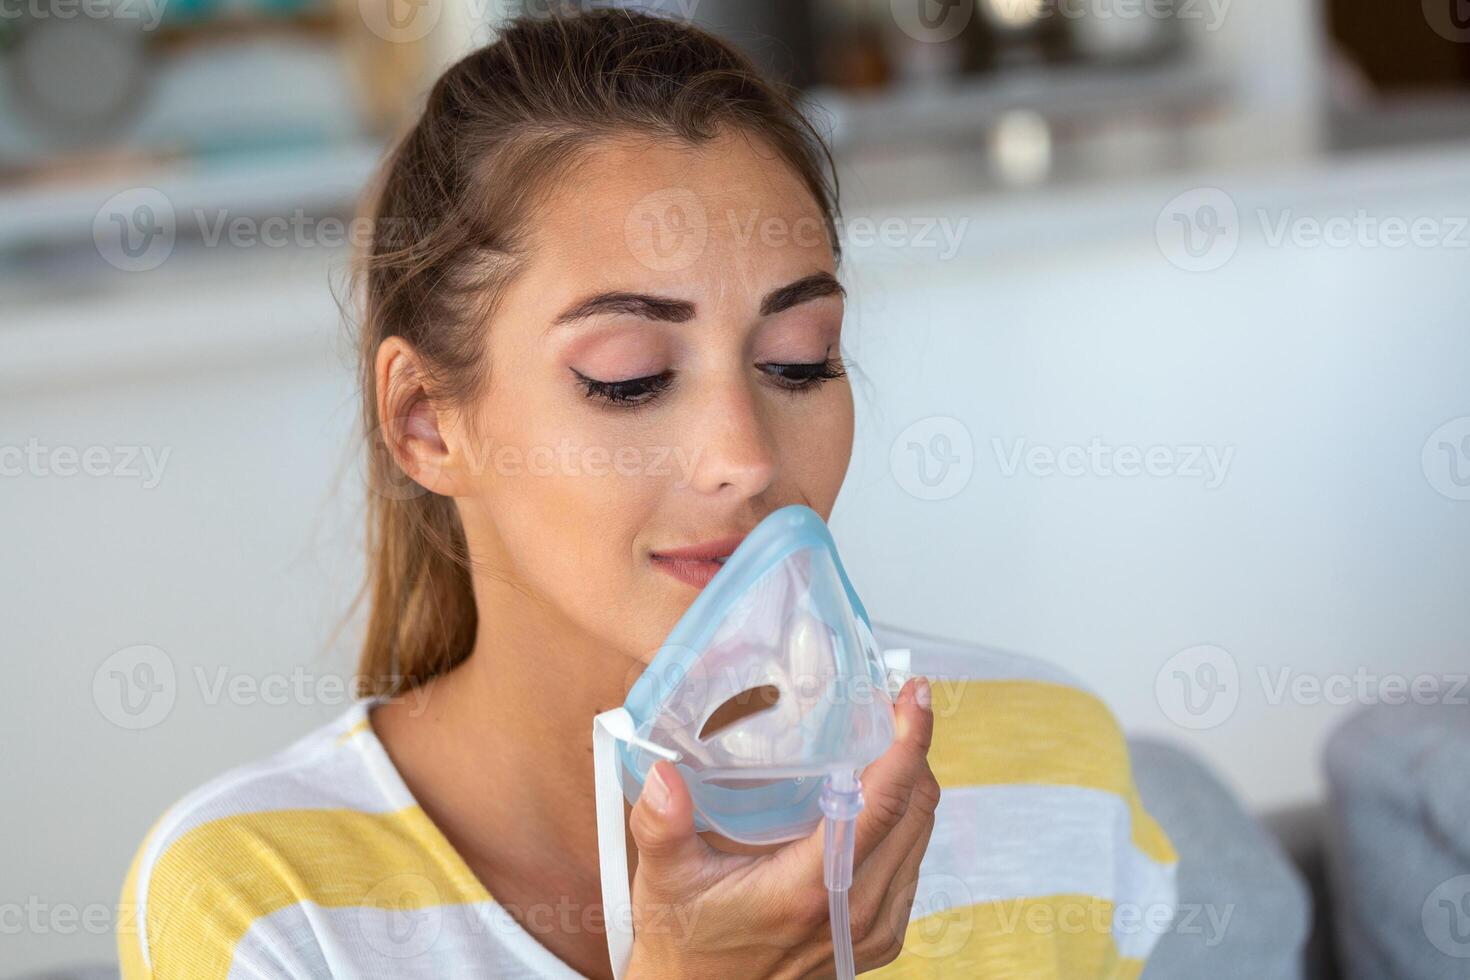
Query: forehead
(638, 211)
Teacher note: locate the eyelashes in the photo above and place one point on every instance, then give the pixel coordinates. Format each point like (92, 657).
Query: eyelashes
(799, 376)
(634, 392)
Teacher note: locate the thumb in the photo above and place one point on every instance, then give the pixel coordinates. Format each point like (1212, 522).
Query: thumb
(670, 853)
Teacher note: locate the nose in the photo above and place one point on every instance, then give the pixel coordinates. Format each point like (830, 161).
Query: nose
(735, 452)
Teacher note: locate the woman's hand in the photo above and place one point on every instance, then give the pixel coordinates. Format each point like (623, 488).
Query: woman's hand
(701, 912)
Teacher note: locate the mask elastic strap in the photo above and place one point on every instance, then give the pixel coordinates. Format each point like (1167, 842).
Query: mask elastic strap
(898, 664)
(608, 729)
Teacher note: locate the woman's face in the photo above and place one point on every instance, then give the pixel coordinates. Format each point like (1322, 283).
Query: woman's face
(663, 373)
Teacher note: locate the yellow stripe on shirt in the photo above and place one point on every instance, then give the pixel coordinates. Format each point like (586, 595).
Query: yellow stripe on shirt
(989, 733)
(1041, 938)
(211, 884)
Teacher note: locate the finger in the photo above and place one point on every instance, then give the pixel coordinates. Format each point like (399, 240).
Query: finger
(671, 856)
(880, 944)
(887, 784)
(890, 780)
(912, 832)
(883, 885)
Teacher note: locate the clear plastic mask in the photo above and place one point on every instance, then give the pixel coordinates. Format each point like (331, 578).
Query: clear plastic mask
(780, 628)
(781, 624)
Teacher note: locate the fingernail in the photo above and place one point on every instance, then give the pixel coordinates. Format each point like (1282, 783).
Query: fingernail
(922, 694)
(656, 790)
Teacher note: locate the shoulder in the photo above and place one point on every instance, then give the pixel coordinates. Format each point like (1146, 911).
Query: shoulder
(1003, 719)
(1040, 821)
(255, 840)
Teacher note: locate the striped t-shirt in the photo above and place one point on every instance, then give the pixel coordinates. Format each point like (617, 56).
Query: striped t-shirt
(317, 862)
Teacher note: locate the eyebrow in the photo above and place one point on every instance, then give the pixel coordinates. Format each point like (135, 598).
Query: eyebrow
(664, 309)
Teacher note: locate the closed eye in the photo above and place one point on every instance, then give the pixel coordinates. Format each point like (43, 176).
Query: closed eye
(799, 376)
(631, 391)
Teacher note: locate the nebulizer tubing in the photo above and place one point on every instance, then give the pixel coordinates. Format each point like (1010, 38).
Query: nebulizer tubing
(841, 800)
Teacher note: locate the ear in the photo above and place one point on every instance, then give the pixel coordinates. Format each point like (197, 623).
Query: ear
(413, 428)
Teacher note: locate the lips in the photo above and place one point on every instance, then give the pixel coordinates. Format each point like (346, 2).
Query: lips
(720, 548)
(696, 564)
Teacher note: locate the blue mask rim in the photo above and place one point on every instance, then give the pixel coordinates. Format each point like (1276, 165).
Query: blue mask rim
(783, 531)
(792, 528)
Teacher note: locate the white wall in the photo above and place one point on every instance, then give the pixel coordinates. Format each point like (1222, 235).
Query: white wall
(1325, 550)
(237, 564)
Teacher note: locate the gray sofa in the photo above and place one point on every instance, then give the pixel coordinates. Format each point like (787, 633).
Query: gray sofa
(1398, 840)
(1374, 884)
(1245, 907)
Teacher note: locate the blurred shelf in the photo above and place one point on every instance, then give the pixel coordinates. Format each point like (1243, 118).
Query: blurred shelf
(318, 180)
(971, 104)
(205, 309)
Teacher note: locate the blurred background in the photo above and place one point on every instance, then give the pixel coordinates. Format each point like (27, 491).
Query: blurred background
(1159, 316)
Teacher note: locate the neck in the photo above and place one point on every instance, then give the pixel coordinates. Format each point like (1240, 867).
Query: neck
(522, 705)
(498, 751)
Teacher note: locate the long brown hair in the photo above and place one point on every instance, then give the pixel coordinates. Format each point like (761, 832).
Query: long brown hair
(449, 215)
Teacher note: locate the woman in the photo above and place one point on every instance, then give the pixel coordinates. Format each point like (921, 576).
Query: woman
(601, 341)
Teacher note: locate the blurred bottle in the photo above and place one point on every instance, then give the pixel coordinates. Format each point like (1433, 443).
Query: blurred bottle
(390, 60)
(1119, 31)
(1023, 33)
(931, 42)
(857, 58)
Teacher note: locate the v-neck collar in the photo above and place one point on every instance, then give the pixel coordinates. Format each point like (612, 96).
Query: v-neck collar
(524, 945)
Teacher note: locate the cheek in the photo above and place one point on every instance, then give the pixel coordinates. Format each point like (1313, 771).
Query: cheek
(567, 504)
(815, 444)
